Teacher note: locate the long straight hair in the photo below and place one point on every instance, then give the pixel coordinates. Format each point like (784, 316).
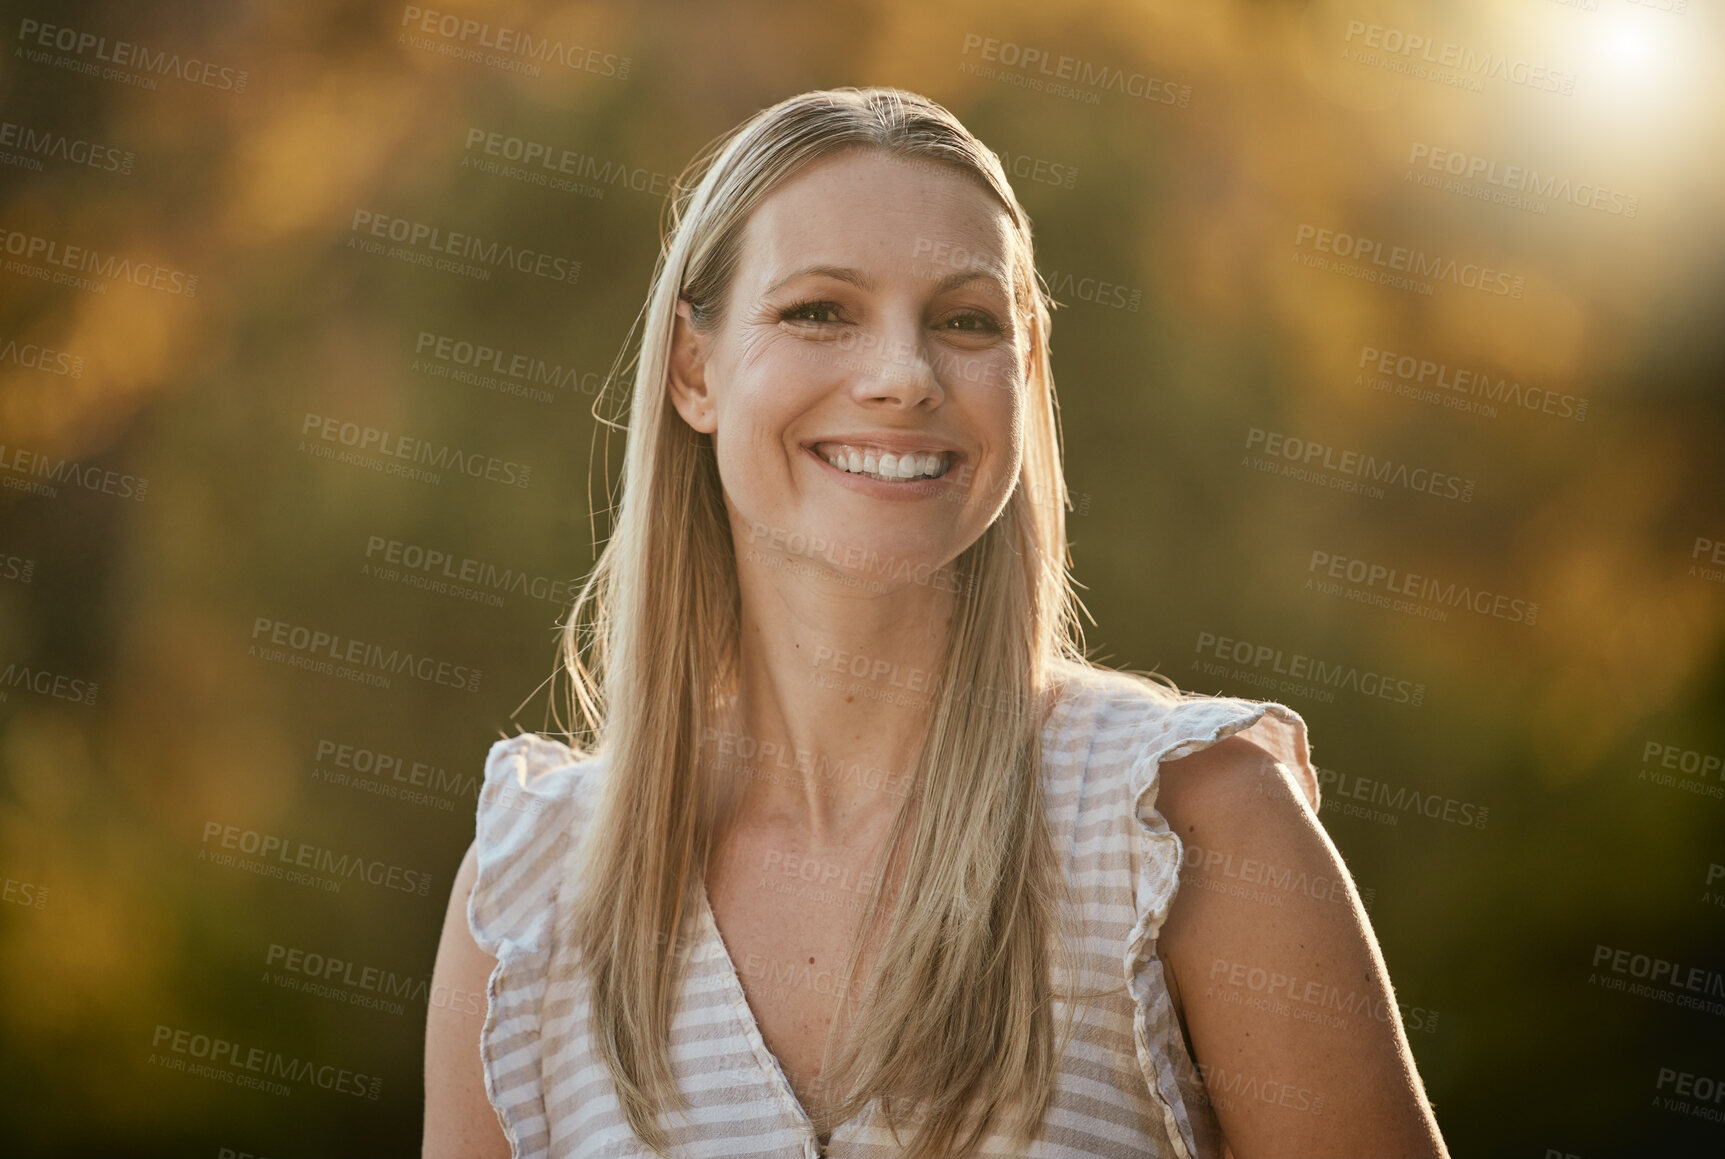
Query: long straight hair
(959, 1034)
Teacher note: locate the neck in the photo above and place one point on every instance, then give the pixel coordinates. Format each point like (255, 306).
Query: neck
(833, 693)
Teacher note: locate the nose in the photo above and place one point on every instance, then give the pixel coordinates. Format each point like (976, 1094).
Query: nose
(893, 368)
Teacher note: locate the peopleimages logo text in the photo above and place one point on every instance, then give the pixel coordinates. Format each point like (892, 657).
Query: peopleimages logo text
(333, 648)
(271, 1064)
(1415, 263)
(124, 54)
(436, 239)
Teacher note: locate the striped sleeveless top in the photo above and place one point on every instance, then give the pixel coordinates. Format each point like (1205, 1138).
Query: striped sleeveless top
(1127, 1084)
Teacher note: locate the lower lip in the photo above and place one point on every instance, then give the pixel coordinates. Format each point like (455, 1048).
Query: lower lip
(881, 489)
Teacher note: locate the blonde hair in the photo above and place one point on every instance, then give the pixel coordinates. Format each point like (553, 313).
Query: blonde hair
(959, 1031)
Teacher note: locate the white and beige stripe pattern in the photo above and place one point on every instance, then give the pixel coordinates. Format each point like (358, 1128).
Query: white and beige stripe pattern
(1127, 1085)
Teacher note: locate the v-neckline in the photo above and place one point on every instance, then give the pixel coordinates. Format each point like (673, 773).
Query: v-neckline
(771, 1068)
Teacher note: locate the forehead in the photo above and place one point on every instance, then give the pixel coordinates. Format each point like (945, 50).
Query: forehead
(864, 207)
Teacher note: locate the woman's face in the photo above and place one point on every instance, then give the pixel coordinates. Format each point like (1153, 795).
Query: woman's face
(865, 385)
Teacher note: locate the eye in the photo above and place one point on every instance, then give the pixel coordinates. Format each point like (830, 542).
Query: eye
(802, 310)
(976, 322)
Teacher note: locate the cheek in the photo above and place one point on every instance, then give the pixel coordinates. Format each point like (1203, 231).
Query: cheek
(1001, 412)
(1001, 372)
(754, 456)
(995, 418)
(745, 468)
(769, 385)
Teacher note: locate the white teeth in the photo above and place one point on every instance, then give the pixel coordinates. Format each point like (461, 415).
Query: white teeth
(888, 465)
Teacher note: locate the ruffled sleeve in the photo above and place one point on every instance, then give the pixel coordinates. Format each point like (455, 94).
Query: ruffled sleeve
(528, 808)
(1188, 727)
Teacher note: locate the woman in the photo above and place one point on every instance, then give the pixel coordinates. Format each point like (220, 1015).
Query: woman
(857, 855)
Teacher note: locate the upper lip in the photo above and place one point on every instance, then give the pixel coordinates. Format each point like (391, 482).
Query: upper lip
(898, 443)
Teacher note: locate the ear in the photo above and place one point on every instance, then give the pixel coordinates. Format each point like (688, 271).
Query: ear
(690, 392)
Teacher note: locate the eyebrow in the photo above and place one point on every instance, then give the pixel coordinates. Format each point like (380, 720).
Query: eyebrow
(863, 282)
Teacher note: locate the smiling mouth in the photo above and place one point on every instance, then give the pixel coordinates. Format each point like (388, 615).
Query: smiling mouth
(887, 466)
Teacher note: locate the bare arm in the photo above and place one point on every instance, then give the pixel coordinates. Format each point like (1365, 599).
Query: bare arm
(459, 1119)
(1280, 979)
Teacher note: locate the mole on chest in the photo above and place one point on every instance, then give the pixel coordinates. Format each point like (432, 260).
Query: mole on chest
(788, 926)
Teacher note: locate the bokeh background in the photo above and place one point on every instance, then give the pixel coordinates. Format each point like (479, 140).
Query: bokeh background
(193, 304)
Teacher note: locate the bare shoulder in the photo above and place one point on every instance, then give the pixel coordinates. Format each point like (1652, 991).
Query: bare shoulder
(1232, 772)
(1279, 978)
